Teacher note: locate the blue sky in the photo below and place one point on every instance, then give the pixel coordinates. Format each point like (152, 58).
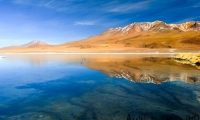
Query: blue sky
(60, 21)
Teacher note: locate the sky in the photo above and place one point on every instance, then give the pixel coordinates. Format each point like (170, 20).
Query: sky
(61, 21)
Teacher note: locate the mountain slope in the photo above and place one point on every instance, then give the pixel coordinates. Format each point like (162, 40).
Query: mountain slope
(140, 34)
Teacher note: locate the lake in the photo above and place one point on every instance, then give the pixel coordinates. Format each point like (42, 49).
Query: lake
(98, 87)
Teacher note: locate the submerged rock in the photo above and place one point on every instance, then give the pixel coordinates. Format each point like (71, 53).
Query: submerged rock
(192, 59)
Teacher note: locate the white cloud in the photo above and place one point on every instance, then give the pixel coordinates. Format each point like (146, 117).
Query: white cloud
(50, 4)
(41, 3)
(187, 19)
(85, 23)
(196, 5)
(26, 2)
(128, 7)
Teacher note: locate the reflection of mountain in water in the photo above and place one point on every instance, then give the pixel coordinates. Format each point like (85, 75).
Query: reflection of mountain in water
(135, 77)
(147, 70)
(146, 78)
(142, 68)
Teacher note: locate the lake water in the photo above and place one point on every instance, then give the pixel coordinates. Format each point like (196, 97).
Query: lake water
(98, 87)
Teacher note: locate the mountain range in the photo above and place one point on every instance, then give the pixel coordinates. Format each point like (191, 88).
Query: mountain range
(156, 36)
(157, 26)
(149, 35)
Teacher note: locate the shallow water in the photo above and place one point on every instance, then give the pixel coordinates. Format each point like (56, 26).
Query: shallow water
(102, 87)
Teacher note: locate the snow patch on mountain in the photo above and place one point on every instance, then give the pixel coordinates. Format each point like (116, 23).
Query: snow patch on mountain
(156, 26)
(34, 42)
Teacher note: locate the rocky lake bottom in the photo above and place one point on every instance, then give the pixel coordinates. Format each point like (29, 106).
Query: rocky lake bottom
(98, 87)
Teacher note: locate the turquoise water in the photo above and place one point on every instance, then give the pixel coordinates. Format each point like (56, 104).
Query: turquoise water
(66, 87)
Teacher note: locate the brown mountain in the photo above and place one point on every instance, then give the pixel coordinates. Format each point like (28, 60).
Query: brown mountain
(139, 37)
(146, 35)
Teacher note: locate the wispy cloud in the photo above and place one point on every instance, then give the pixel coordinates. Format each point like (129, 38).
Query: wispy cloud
(188, 19)
(184, 20)
(41, 3)
(25, 2)
(128, 7)
(51, 4)
(85, 23)
(197, 5)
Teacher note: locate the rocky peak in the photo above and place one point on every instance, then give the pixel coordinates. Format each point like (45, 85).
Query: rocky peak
(188, 26)
(158, 22)
(192, 25)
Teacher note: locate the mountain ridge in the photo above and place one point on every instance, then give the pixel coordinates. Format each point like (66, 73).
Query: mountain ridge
(155, 26)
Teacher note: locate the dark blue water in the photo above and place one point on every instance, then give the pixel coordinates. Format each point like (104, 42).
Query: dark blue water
(65, 88)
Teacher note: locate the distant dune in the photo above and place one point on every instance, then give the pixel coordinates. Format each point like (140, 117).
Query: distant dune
(137, 37)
